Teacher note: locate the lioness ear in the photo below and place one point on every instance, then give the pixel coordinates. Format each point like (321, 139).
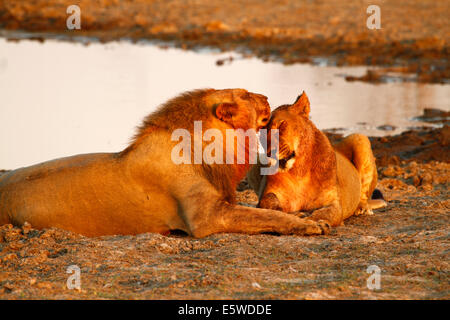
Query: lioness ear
(226, 112)
(301, 105)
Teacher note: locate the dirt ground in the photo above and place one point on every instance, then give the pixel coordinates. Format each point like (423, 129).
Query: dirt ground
(409, 241)
(414, 35)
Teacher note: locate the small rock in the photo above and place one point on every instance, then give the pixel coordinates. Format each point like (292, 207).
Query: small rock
(386, 127)
(426, 187)
(426, 178)
(9, 257)
(8, 287)
(44, 285)
(444, 137)
(26, 227)
(15, 245)
(369, 239)
(390, 172)
(216, 26)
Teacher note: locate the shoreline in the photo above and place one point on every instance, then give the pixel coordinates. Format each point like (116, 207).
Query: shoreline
(336, 34)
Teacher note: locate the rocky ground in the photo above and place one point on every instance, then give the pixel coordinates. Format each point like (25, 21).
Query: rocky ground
(409, 241)
(414, 35)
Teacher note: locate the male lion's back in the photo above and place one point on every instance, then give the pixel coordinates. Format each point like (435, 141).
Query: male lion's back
(26, 189)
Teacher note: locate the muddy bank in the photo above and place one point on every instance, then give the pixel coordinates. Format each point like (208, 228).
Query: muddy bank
(288, 31)
(423, 145)
(408, 241)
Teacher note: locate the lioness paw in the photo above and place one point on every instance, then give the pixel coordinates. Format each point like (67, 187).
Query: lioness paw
(363, 209)
(270, 201)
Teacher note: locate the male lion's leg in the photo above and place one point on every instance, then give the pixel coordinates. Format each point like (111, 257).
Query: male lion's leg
(239, 219)
(358, 150)
(254, 220)
(213, 215)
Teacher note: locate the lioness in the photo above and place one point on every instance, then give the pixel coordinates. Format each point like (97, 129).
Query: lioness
(333, 183)
(141, 189)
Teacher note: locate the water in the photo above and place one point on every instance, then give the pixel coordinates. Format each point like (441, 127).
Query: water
(61, 98)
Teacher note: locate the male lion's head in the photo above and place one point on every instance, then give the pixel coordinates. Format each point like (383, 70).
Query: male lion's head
(238, 115)
(239, 108)
(216, 109)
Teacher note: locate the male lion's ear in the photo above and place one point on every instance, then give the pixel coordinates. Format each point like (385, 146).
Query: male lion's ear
(301, 105)
(226, 112)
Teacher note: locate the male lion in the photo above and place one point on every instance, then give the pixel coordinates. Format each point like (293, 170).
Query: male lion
(333, 183)
(141, 189)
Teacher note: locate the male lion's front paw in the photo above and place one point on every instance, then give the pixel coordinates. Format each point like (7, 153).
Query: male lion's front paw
(325, 226)
(312, 228)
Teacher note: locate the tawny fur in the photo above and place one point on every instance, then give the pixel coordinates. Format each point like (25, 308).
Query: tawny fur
(141, 189)
(332, 183)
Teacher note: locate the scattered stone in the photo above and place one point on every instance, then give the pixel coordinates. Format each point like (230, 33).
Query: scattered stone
(26, 228)
(44, 285)
(386, 127)
(9, 257)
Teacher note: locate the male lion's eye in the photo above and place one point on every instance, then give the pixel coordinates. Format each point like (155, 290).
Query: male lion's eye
(245, 96)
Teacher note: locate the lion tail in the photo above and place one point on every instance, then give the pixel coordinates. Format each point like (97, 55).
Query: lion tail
(377, 200)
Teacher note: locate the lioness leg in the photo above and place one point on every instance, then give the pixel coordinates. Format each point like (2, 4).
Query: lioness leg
(357, 149)
(270, 201)
(331, 213)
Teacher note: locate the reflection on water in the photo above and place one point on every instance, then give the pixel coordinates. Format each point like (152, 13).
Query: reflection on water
(62, 98)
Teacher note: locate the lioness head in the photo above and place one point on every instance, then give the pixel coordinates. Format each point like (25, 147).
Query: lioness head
(291, 121)
(306, 159)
